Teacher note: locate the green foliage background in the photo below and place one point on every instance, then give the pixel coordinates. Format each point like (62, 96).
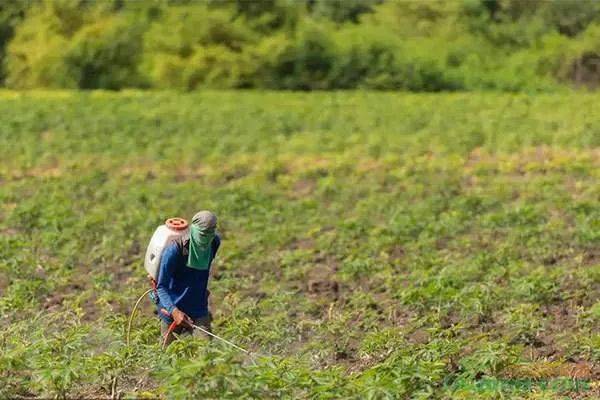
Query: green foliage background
(509, 45)
(375, 245)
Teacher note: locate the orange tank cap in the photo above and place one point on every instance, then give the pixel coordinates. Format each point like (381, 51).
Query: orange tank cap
(176, 223)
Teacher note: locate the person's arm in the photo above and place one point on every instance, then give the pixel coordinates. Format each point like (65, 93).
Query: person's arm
(167, 269)
(215, 247)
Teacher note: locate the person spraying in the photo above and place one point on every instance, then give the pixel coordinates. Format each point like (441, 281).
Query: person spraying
(182, 285)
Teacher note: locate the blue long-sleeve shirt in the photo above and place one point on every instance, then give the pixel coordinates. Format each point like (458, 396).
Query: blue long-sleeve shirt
(181, 286)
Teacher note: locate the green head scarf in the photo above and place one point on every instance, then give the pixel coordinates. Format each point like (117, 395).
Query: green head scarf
(202, 233)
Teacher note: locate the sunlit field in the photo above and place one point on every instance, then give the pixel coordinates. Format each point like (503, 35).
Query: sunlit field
(374, 245)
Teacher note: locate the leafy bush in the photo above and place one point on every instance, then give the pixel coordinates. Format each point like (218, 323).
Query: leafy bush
(11, 15)
(190, 47)
(105, 54)
(60, 45)
(35, 55)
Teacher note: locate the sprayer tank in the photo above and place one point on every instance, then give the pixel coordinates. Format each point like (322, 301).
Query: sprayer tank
(164, 235)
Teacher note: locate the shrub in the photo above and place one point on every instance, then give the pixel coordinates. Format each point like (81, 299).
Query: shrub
(35, 55)
(190, 47)
(106, 54)
(60, 44)
(302, 62)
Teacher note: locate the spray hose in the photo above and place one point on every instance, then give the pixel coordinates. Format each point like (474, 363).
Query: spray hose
(220, 338)
(137, 303)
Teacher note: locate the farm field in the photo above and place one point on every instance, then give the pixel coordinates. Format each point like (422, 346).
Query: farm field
(375, 245)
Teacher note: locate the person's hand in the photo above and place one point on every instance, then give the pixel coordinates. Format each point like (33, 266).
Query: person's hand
(181, 318)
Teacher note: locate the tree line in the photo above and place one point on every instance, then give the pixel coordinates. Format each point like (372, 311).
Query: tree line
(510, 45)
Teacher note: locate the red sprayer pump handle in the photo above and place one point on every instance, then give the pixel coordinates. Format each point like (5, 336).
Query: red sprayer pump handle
(171, 327)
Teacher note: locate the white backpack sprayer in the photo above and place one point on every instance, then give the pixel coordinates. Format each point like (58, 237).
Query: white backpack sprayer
(174, 230)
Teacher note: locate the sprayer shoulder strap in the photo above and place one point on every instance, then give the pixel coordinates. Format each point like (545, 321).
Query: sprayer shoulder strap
(183, 245)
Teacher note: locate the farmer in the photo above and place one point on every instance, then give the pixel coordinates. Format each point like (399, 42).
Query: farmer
(183, 279)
